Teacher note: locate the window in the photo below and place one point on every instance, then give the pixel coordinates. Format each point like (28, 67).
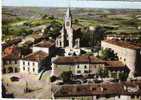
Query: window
(85, 66)
(78, 66)
(104, 89)
(28, 63)
(33, 63)
(28, 69)
(93, 89)
(15, 62)
(60, 43)
(33, 69)
(23, 68)
(86, 71)
(23, 63)
(124, 59)
(16, 70)
(78, 71)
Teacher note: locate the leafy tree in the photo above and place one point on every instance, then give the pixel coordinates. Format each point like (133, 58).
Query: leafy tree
(51, 17)
(123, 76)
(76, 21)
(102, 72)
(85, 37)
(53, 29)
(5, 29)
(66, 76)
(99, 33)
(27, 24)
(114, 75)
(107, 54)
(53, 78)
(44, 16)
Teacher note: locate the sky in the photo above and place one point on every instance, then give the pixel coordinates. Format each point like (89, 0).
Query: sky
(73, 3)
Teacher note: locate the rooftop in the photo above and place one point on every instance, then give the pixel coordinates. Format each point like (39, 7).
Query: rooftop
(125, 88)
(11, 52)
(77, 59)
(124, 44)
(11, 42)
(37, 56)
(114, 64)
(45, 43)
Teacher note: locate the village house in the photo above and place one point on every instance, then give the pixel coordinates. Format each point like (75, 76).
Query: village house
(84, 65)
(104, 91)
(34, 63)
(10, 59)
(45, 46)
(127, 52)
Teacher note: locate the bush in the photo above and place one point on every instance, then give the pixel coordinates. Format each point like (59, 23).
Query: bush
(66, 76)
(53, 78)
(123, 76)
(102, 72)
(107, 54)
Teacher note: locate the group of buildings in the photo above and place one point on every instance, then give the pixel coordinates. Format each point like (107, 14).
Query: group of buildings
(104, 91)
(43, 57)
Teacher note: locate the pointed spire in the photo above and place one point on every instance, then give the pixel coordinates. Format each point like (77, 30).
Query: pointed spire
(68, 13)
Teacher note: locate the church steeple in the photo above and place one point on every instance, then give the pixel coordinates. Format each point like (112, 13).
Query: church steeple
(68, 19)
(68, 13)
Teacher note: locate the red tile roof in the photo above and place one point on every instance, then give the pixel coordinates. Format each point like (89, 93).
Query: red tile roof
(11, 53)
(45, 44)
(114, 64)
(77, 59)
(124, 44)
(37, 56)
(102, 89)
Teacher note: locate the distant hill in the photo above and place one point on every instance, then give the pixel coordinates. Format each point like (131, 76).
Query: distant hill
(14, 13)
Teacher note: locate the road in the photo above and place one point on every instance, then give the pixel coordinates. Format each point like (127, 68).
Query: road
(41, 89)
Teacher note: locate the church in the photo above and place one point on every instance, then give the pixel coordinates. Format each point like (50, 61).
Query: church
(67, 40)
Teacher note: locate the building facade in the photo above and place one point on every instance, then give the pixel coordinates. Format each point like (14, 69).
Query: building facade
(34, 63)
(85, 65)
(10, 59)
(128, 53)
(45, 46)
(104, 91)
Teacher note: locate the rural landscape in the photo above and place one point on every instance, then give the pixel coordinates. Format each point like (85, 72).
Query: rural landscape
(71, 53)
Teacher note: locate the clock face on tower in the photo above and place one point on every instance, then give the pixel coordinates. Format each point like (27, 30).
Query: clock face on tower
(67, 23)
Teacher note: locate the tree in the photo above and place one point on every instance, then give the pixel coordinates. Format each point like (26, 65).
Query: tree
(123, 76)
(53, 78)
(53, 29)
(114, 75)
(51, 17)
(66, 76)
(44, 16)
(102, 72)
(76, 21)
(107, 54)
(99, 33)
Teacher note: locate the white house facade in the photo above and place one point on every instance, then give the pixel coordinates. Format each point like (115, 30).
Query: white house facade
(33, 62)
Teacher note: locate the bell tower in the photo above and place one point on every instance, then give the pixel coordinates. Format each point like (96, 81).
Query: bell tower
(68, 19)
(68, 27)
